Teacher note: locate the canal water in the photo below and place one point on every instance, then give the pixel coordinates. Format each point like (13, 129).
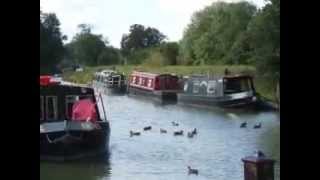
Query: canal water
(216, 150)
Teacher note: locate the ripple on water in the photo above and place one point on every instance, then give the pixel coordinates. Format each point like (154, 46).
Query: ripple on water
(216, 150)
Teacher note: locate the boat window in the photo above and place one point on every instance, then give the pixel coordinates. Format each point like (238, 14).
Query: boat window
(41, 108)
(140, 81)
(185, 87)
(150, 83)
(86, 97)
(211, 87)
(135, 80)
(236, 85)
(69, 104)
(52, 107)
(196, 85)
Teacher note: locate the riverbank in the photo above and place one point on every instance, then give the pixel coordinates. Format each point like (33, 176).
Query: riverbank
(265, 87)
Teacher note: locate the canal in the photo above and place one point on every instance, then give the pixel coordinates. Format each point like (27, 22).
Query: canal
(216, 150)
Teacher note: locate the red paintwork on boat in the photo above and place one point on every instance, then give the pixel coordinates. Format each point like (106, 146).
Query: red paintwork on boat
(47, 81)
(154, 82)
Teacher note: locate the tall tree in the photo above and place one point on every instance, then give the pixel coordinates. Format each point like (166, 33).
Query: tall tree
(51, 43)
(141, 37)
(264, 33)
(210, 36)
(86, 46)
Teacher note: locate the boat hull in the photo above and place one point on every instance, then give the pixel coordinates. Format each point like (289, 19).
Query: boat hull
(74, 144)
(214, 101)
(163, 97)
(250, 102)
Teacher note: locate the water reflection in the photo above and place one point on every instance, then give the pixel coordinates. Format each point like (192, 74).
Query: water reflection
(86, 169)
(216, 151)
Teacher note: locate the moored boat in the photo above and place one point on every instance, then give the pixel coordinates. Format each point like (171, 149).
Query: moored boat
(161, 87)
(70, 123)
(230, 91)
(110, 82)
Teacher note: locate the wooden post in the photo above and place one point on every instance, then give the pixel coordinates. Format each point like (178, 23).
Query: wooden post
(258, 167)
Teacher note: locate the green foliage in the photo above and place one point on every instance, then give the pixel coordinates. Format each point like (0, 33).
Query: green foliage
(87, 47)
(264, 32)
(109, 56)
(138, 39)
(138, 56)
(170, 52)
(51, 45)
(155, 59)
(214, 33)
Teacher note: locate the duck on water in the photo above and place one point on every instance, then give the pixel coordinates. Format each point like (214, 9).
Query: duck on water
(70, 123)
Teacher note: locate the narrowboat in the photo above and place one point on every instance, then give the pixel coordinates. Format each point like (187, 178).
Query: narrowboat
(161, 87)
(110, 82)
(230, 91)
(70, 123)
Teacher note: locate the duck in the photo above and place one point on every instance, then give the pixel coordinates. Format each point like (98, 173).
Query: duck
(190, 135)
(163, 131)
(243, 125)
(134, 133)
(174, 123)
(177, 133)
(147, 128)
(194, 132)
(192, 171)
(256, 126)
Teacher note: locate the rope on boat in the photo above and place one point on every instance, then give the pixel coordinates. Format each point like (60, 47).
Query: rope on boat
(62, 137)
(49, 140)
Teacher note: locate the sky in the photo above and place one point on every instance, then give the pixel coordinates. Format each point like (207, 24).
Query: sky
(112, 18)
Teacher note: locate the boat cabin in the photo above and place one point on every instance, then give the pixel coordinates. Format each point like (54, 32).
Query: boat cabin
(154, 82)
(218, 86)
(110, 78)
(70, 123)
(57, 100)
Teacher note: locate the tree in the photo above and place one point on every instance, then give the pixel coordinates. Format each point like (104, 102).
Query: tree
(213, 31)
(87, 47)
(140, 37)
(51, 43)
(170, 52)
(109, 56)
(264, 32)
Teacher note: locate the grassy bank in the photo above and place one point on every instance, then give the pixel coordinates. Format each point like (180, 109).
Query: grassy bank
(263, 86)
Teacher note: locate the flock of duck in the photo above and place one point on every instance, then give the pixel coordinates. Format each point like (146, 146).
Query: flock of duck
(190, 134)
(163, 131)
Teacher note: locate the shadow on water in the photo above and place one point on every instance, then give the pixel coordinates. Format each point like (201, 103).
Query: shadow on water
(93, 168)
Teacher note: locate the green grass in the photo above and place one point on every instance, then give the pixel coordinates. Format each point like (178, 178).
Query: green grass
(265, 87)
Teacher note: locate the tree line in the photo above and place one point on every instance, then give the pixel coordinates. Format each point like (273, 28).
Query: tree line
(222, 33)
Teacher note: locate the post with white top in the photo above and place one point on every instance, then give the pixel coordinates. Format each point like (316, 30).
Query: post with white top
(258, 167)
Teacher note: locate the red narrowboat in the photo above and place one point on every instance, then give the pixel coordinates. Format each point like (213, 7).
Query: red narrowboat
(163, 87)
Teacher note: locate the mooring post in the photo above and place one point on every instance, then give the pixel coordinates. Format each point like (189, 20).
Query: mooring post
(258, 167)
